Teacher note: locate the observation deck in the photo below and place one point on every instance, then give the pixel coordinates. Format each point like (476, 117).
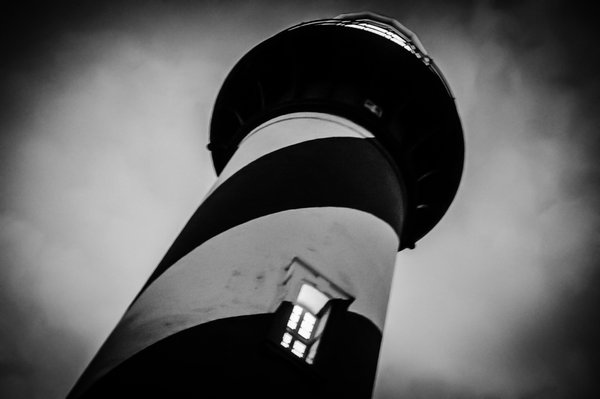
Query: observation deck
(368, 69)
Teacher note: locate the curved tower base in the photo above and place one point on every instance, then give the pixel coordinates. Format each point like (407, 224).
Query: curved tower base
(231, 358)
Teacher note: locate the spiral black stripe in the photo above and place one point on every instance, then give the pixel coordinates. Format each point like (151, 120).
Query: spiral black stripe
(228, 358)
(339, 171)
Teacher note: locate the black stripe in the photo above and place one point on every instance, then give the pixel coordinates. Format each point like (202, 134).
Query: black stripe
(232, 358)
(338, 172)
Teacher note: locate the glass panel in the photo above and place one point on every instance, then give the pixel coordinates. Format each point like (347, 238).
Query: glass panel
(294, 317)
(311, 298)
(286, 339)
(298, 348)
(308, 319)
(381, 32)
(306, 328)
(305, 333)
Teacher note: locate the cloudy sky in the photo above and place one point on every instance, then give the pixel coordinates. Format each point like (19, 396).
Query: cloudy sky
(104, 114)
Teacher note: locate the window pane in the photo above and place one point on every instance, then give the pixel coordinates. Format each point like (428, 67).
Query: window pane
(311, 298)
(286, 339)
(297, 311)
(308, 319)
(292, 324)
(295, 317)
(305, 333)
(298, 348)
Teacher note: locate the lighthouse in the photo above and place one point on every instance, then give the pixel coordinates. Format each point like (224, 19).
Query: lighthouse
(337, 143)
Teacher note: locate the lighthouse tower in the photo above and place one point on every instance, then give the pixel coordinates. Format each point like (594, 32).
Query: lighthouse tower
(337, 143)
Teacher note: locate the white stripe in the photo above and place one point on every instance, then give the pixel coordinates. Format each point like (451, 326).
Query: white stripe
(287, 130)
(240, 272)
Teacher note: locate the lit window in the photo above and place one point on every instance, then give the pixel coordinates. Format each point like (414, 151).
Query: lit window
(304, 327)
(295, 317)
(298, 349)
(285, 340)
(310, 358)
(303, 313)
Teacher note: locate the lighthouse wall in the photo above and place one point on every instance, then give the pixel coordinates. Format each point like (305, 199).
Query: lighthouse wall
(308, 194)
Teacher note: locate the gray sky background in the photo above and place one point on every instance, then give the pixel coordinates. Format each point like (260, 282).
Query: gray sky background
(103, 126)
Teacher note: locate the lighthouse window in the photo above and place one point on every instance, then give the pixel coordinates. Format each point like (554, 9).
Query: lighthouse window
(305, 323)
(302, 312)
(286, 340)
(298, 349)
(300, 333)
(306, 328)
(295, 317)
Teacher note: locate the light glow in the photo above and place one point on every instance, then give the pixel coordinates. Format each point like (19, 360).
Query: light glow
(298, 349)
(306, 328)
(294, 317)
(286, 339)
